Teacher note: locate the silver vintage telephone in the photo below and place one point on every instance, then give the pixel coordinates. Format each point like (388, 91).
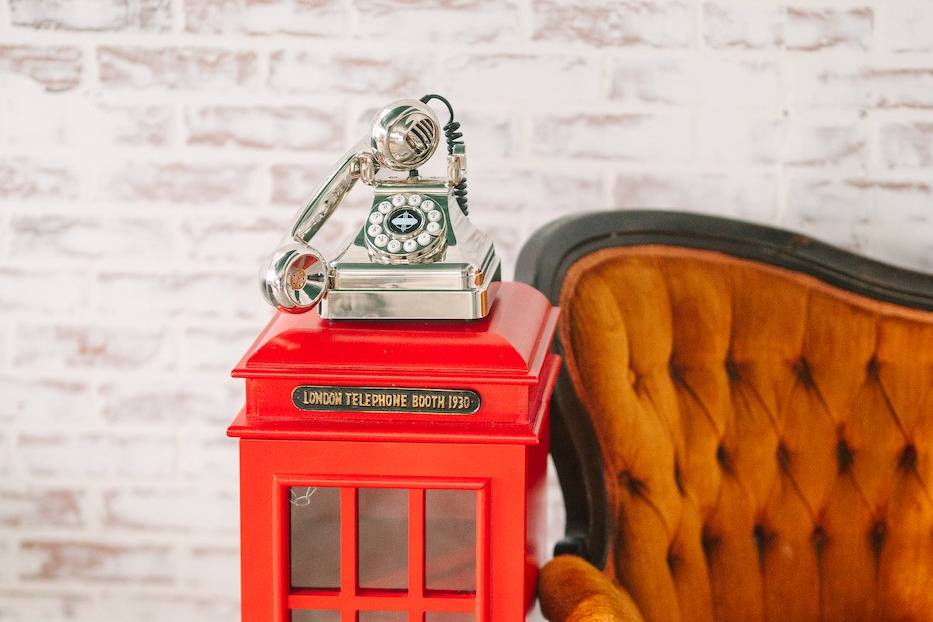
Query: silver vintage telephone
(417, 256)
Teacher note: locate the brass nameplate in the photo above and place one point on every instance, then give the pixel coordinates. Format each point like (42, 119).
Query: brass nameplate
(386, 400)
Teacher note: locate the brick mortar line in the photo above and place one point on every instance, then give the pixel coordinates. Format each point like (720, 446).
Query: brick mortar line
(209, 157)
(229, 492)
(6, 239)
(162, 484)
(202, 215)
(197, 430)
(241, 98)
(179, 323)
(139, 375)
(184, 101)
(352, 16)
(93, 528)
(123, 536)
(102, 202)
(265, 44)
(71, 589)
(525, 13)
(784, 87)
(699, 26)
(132, 322)
(179, 480)
(329, 46)
(178, 16)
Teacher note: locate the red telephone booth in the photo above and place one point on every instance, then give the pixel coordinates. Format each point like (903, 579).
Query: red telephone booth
(395, 470)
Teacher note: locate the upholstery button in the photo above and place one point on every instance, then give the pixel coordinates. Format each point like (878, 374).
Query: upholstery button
(636, 487)
(819, 539)
(844, 455)
(710, 543)
(723, 458)
(673, 561)
(873, 368)
(783, 457)
(908, 458)
(679, 478)
(803, 373)
(877, 535)
(732, 370)
(763, 537)
(676, 373)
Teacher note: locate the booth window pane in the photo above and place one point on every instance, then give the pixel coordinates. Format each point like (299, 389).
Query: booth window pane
(447, 616)
(315, 615)
(315, 537)
(383, 616)
(383, 538)
(450, 540)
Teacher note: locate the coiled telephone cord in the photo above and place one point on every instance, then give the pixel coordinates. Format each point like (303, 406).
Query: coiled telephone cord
(453, 135)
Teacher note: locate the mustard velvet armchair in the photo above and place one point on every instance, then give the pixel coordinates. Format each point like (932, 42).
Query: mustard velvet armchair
(743, 428)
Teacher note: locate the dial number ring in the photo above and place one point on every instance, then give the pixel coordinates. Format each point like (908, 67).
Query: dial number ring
(405, 226)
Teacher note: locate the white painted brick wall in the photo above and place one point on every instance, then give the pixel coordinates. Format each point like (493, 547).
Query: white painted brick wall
(152, 150)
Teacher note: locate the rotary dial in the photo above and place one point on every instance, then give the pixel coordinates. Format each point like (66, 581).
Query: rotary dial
(406, 226)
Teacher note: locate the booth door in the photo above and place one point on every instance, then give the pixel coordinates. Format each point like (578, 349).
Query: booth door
(385, 551)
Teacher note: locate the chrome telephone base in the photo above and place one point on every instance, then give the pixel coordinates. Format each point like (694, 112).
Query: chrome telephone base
(384, 304)
(440, 291)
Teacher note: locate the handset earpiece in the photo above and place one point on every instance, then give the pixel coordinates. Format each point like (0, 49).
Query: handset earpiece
(295, 279)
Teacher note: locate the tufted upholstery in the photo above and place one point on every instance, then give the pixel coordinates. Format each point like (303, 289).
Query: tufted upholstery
(767, 442)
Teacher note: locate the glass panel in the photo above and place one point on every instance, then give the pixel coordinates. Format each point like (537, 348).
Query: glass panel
(445, 616)
(383, 616)
(383, 538)
(315, 615)
(315, 536)
(450, 540)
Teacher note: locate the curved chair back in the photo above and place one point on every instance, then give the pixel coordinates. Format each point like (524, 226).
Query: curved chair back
(744, 425)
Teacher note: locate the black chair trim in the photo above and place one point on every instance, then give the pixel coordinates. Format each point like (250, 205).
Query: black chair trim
(552, 250)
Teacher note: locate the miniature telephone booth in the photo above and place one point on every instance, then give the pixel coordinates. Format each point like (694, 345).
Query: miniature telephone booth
(395, 470)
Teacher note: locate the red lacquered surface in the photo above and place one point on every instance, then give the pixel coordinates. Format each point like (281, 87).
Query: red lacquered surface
(499, 452)
(501, 357)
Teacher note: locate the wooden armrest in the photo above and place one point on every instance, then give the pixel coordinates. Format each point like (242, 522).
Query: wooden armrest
(573, 590)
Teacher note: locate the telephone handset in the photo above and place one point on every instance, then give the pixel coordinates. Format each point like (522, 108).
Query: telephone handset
(417, 256)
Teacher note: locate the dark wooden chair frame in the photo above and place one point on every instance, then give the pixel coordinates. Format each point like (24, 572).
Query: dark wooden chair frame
(552, 250)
